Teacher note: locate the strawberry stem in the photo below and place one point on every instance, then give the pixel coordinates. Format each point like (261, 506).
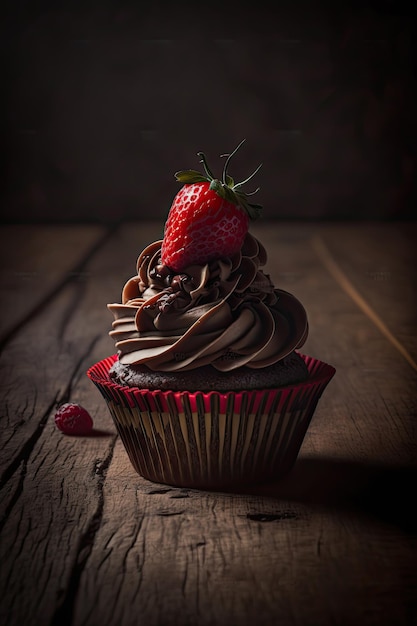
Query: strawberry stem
(224, 177)
(248, 179)
(252, 193)
(226, 187)
(203, 160)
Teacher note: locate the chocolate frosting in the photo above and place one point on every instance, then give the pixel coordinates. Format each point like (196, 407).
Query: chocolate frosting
(226, 313)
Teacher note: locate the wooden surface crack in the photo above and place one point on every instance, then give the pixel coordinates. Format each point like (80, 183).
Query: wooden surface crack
(63, 615)
(21, 461)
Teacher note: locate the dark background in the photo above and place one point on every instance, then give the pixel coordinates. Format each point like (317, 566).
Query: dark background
(104, 102)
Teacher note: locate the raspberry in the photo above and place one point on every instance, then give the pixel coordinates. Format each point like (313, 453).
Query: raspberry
(73, 419)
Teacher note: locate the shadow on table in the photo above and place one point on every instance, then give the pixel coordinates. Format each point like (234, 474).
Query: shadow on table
(388, 493)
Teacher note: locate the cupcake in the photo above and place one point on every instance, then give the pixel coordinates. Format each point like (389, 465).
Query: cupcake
(208, 388)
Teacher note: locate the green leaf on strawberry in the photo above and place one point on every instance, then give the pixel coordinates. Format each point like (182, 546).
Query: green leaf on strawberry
(190, 176)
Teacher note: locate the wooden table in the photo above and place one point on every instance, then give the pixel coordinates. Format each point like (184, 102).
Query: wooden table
(86, 541)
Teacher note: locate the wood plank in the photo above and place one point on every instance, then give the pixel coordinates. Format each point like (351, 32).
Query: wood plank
(375, 385)
(380, 261)
(87, 541)
(43, 511)
(41, 363)
(34, 261)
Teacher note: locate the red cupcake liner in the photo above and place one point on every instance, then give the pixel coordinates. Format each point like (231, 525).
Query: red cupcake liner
(212, 440)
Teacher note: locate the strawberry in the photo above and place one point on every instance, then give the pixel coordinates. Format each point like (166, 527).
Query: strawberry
(208, 219)
(73, 419)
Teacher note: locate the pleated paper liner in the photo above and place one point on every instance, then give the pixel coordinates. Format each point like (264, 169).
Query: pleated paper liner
(212, 440)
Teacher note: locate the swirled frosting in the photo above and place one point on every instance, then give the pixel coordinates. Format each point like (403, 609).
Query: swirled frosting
(226, 313)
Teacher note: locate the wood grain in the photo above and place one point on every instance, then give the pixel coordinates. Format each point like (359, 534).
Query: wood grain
(377, 262)
(86, 541)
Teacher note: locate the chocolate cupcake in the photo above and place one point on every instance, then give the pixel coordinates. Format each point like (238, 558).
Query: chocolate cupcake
(208, 389)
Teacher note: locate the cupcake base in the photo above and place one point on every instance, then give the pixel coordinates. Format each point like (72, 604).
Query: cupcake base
(289, 370)
(212, 440)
